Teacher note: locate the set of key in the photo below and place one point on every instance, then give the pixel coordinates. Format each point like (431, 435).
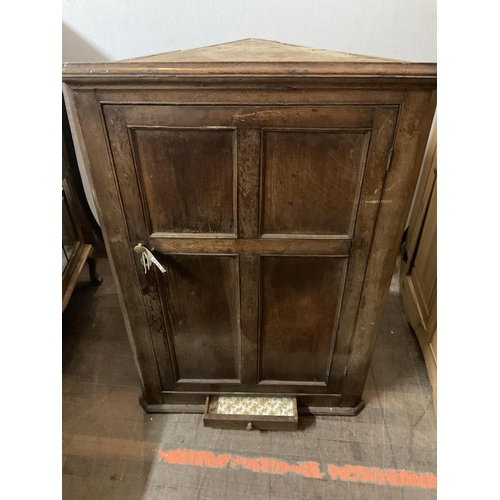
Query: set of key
(147, 258)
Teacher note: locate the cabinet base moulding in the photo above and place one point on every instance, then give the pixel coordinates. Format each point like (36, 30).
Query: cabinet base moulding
(333, 411)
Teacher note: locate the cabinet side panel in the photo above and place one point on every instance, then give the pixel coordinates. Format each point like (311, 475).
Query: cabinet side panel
(88, 124)
(411, 137)
(382, 138)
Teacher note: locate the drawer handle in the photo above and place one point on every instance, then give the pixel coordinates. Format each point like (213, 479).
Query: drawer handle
(249, 426)
(147, 258)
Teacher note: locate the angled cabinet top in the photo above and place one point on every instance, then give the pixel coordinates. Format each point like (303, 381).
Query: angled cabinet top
(252, 58)
(257, 51)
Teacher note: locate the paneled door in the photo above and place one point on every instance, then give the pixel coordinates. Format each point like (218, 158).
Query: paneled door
(262, 218)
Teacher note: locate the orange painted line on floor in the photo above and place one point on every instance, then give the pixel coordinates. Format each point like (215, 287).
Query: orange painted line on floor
(374, 475)
(351, 473)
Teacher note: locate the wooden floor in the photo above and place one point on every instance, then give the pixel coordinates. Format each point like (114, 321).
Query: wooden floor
(112, 449)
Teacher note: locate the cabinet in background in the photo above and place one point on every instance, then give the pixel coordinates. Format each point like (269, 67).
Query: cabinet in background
(419, 269)
(76, 242)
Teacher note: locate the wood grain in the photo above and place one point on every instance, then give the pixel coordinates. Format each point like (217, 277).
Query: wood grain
(299, 300)
(276, 191)
(187, 179)
(80, 257)
(424, 267)
(98, 162)
(381, 142)
(137, 222)
(77, 234)
(164, 243)
(202, 307)
(249, 149)
(414, 125)
(311, 181)
(249, 57)
(419, 270)
(255, 49)
(260, 423)
(249, 320)
(250, 116)
(261, 95)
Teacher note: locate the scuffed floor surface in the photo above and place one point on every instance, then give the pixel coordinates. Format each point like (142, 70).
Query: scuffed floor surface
(112, 449)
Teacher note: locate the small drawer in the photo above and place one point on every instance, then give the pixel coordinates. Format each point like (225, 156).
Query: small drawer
(262, 413)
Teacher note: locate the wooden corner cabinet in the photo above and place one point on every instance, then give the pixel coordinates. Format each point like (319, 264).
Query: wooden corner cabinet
(271, 183)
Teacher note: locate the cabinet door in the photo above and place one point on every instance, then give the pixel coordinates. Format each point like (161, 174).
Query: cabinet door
(262, 217)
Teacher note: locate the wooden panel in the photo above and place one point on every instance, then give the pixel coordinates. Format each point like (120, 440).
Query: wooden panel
(231, 386)
(201, 303)
(226, 96)
(376, 169)
(373, 75)
(299, 301)
(135, 215)
(426, 334)
(433, 344)
(250, 116)
(255, 50)
(249, 300)
(419, 272)
(423, 194)
(337, 247)
(424, 271)
(262, 423)
(248, 182)
(187, 179)
(317, 404)
(311, 181)
(414, 125)
(79, 258)
(251, 413)
(84, 109)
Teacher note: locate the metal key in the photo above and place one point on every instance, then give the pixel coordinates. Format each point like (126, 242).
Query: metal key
(147, 258)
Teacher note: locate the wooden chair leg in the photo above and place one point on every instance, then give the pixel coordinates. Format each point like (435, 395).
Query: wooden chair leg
(94, 278)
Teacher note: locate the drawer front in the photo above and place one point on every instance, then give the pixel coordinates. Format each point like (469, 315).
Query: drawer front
(262, 217)
(251, 413)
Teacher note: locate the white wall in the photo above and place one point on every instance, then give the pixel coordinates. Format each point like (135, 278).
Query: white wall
(117, 29)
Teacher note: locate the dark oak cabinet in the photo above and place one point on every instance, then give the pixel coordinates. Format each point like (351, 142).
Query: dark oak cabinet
(272, 184)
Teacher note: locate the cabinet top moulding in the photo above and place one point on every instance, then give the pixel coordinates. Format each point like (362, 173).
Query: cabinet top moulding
(255, 61)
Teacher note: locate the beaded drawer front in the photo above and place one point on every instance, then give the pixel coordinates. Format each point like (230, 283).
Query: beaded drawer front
(265, 413)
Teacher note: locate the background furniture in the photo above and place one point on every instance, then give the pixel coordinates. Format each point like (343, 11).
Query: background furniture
(272, 184)
(419, 268)
(76, 231)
